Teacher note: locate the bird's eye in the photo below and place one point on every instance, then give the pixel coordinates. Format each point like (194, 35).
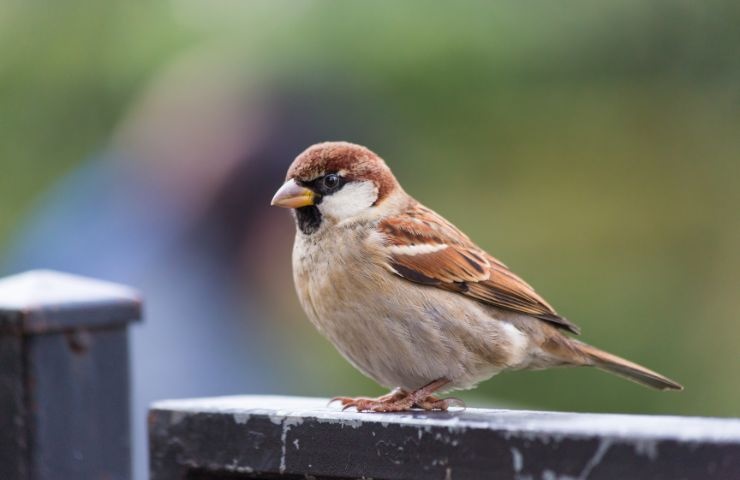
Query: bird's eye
(331, 181)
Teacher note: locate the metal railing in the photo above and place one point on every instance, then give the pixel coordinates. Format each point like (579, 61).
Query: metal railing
(289, 437)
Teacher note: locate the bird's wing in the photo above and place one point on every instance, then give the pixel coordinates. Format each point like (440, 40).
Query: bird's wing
(425, 248)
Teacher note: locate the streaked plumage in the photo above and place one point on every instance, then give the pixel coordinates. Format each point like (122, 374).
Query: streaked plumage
(409, 299)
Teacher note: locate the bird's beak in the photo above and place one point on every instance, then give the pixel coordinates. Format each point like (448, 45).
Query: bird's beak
(292, 195)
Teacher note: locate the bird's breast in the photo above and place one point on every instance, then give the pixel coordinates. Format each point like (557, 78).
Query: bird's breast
(397, 332)
(334, 277)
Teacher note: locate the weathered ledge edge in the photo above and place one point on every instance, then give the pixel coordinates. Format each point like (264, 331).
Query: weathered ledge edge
(303, 437)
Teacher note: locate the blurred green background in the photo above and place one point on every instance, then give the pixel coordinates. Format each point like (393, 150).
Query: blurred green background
(594, 147)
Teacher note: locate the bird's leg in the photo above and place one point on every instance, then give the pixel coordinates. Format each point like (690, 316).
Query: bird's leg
(403, 401)
(392, 396)
(424, 399)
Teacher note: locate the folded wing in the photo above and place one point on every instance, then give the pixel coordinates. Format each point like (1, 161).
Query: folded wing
(425, 248)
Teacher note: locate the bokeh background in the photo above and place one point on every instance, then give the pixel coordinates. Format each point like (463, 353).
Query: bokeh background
(594, 147)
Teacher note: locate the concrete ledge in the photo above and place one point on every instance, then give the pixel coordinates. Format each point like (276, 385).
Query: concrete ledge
(292, 437)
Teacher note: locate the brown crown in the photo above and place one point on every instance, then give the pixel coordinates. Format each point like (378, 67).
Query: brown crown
(358, 162)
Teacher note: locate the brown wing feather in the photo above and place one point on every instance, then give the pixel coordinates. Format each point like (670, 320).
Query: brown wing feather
(425, 248)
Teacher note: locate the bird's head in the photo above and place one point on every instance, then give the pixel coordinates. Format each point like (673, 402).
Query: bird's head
(333, 182)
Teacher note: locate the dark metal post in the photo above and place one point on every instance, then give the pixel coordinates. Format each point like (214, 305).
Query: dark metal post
(64, 378)
(298, 438)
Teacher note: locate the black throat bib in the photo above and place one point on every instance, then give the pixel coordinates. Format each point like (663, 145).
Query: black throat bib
(308, 219)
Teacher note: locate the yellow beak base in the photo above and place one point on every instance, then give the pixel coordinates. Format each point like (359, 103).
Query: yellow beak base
(292, 195)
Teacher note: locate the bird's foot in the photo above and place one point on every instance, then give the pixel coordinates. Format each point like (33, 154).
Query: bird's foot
(372, 405)
(348, 402)
(401, 401)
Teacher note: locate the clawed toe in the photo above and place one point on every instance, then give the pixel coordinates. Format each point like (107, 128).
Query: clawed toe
(347, 401)
(382, 406)
(442, 404)
(363, 404)
(379, 404)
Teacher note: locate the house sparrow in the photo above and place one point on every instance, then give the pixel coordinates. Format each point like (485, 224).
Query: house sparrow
(409, 299)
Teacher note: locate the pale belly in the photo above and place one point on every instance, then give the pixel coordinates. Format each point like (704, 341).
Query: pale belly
(398, 333)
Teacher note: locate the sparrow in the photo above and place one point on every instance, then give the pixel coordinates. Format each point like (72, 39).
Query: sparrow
(407, 298)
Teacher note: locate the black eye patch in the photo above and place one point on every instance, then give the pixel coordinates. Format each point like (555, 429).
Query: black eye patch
(326, 185)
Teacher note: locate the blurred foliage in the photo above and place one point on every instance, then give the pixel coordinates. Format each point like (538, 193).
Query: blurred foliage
(599, 143)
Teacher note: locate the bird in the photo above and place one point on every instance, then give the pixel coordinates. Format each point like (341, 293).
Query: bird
(409, 299)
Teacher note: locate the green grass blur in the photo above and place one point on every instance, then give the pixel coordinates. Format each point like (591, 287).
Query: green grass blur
(593, 147)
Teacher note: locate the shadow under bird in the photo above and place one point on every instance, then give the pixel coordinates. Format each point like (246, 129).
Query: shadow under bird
(409, 299)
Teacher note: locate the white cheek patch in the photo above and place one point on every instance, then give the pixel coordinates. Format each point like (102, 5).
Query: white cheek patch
(351, 200)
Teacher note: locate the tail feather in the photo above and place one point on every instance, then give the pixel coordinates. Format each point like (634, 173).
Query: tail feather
(624, 368)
